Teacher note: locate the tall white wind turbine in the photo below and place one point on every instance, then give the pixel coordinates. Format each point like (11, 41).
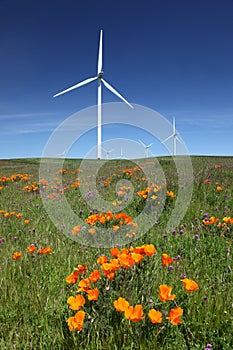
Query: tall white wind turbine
(100, 80)
(146, 148)
(174, 135)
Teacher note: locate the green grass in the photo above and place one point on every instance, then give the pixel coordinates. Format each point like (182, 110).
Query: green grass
(33, 290)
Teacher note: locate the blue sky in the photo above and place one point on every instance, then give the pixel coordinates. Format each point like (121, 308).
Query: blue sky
(172, 56)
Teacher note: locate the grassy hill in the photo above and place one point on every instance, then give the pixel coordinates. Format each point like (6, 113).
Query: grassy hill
(61, 224)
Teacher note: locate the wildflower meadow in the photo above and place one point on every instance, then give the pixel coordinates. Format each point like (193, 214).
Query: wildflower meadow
(65, 288)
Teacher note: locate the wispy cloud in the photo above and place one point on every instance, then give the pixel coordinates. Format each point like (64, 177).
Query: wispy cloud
(8, 130)
(32, 115)
(28, 123)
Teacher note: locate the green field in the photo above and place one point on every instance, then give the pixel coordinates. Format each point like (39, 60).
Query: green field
(34, 311)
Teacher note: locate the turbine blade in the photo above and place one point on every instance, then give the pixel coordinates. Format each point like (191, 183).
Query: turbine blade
(168, 138)
(174, 125)
(100, 58)
(142, 143)
(84, 82)
(178, 139)
(150, 145)
(108, 86)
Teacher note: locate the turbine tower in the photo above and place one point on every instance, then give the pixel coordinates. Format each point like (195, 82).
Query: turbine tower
(100, 80)
(175, 137)
(146, 148)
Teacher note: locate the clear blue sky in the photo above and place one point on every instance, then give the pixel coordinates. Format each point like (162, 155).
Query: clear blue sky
(173, 56)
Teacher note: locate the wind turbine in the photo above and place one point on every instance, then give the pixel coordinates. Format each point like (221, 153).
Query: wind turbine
(61, 155)
(121, 155)
(100, 80)
(146, 148)
(175, 137)
(108, 151)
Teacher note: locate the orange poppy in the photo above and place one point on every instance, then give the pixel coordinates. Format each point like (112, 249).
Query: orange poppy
(92, 294)
(149, 249)
(76, 302)
(171, 194)
(134, 314)
(115, 263)
(76, 230)
(18, 216)
(139, 250)
(107, 267)
(114, 252)
(102, 259)
(137, 257)
(92, 231)
(126, 260)
(31, 249)
(166, 260)
(73, 277)
(174, 316)
(84, 285)
(81, 268)
(17, 256)
(109, 275)
(228, 220)
(121, 304)
(155, 316)
(76, 322)
(212, 220)
(165, 293)
(109, 216)
(47, 250)
(190, 285)
(115, 228)
(94, 276)
(207, 181)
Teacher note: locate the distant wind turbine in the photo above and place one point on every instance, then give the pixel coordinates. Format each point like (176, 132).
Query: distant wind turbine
(108, 151)
(61, 154)
(146, 148)
(175, 137)
(100, 80)
(121, 155)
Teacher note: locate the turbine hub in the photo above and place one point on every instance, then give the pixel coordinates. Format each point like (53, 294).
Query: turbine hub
(100, 75)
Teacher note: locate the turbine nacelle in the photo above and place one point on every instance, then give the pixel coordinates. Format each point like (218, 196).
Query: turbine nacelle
(100, 75)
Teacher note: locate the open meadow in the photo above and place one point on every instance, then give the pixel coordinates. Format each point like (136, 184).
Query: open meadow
(161, 289)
